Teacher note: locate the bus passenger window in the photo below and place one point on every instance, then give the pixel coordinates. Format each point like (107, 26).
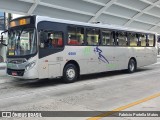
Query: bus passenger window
(142, 38)
(107, 38)
(54, 39)
(122, 39)
(1, 59)
(150, 40)
(75, 36)
(158, 39)
(93, 36)
(133, 39)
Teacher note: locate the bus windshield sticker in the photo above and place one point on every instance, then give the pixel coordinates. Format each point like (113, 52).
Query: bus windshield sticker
(100, 57)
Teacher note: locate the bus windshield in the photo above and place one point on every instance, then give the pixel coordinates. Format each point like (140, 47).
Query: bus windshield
(21, 42)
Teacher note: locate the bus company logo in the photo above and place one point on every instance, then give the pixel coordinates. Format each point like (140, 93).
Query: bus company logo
(100, 57)
(6, 114)
(72, 53)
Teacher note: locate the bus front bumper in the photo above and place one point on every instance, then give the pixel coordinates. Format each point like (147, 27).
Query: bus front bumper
(31, 74)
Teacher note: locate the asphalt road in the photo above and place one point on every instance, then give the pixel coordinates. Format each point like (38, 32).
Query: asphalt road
(97, 92)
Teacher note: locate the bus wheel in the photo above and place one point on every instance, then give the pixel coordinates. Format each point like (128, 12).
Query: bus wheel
(70, 73)
(132, 66)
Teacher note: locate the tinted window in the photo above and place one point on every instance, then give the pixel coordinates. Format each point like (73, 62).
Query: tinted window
(158, 39)
(133, 39)
(75, 36)
(107, 38)
(121, 38)
(93, 36)
(142, 39)
(54, 39)
(150, 40)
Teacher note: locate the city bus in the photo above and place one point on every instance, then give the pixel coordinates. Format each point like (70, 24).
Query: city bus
(41, 47)
(158, 43)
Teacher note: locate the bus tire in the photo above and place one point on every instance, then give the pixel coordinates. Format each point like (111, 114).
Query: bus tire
(70, 73)
(132, 66)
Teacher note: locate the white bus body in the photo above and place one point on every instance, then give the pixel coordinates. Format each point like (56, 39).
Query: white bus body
(70, 61)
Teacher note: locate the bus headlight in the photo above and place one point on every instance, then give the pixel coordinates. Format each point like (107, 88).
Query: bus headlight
(30, 65)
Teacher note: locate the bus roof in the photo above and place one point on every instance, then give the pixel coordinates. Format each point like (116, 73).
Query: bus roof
(99, 25)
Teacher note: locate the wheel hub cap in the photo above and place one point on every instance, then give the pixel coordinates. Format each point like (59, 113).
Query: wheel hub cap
(70, 73)
(132, 66)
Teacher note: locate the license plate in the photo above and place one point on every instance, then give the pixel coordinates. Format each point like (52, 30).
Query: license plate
(14, 73)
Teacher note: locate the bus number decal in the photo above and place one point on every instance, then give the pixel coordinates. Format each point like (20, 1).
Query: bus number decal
(72, 53)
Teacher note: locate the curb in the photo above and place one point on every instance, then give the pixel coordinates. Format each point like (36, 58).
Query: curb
(5, 79)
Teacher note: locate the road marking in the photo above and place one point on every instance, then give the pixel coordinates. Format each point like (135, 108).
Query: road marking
(124, 107)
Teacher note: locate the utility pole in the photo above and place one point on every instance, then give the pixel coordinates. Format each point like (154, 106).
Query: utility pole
(8, 19)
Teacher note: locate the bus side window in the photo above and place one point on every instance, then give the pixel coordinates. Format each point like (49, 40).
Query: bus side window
(133, 39)
(43, 38)
(60, 42)
(58, 39)
(54, 39)
(1, 59)
(143, 39)
(107, 38)
(151, 40)
(75, 36)
(138, 39)
(158, 39)
(93, 36)
(121, 39)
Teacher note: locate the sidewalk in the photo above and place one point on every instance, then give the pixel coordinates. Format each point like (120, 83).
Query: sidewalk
(5, 79)
(3, 76)
(2, 69)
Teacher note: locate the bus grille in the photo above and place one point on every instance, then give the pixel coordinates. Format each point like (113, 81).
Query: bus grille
(16, 61)
(19, 72)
